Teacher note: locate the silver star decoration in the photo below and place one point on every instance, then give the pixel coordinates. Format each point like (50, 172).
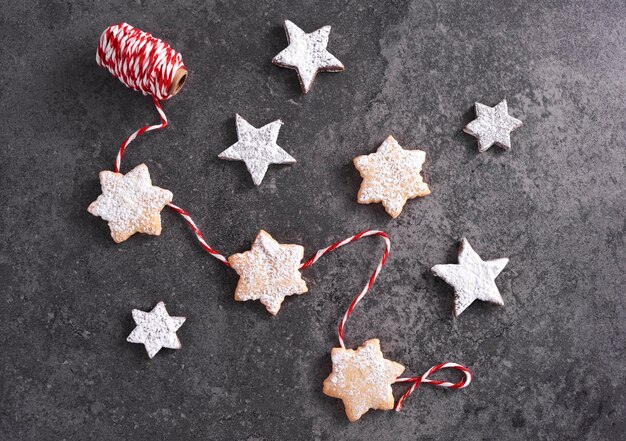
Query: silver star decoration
(257, 148)
(156, 329)
(472, 278)
(493, 125)
(307, 54)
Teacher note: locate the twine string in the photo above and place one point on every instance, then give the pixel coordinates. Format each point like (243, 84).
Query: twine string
(143, 63)
(371, 280)
(415, 381)
(141, 131)
(198, 234)
(424, 379)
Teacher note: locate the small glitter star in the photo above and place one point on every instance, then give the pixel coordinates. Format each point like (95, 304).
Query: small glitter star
(130, 203)
(391, 176)
(362, 379)
(257, 148)
(493, 126)
(269, 272)
(472, 278)
(156, 329)
(307, 54)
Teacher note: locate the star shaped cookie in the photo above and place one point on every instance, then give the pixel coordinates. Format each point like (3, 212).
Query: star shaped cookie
(307, 54)
(257, 148)
(269, 272)
(493, 125)
(156, 329)
(472, 278)
(391, 176)
(130, 203)
(362, 379)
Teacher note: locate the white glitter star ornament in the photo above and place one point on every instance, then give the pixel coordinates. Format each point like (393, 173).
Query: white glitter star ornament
(391, 175)
(493, 125)
(130, 203)
(156, 329)
(257, 148)
(269, 272)
(472, 278)
(307, 54)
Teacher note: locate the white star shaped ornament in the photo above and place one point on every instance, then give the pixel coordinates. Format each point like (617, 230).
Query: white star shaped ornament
(156, 329)
(130, 203)
(472, 278)
(493, 125)
(307, 54)
(257, 148)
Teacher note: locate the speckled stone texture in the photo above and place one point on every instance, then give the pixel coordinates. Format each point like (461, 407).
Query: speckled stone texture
(548, 365)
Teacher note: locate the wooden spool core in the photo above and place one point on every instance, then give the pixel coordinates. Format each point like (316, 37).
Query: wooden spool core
(178, 81)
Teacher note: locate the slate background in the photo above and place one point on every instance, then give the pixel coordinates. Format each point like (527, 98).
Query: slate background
(548, 365)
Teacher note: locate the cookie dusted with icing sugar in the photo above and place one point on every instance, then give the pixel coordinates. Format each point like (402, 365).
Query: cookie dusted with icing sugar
(269, 272)
(130, 203)
(391, 175)
(257, 148)
(362, 379)
(156, 329)
(493, 125)
(307, 54)
(472, 278)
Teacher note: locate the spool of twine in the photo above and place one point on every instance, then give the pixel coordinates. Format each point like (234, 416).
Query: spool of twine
(140, 61)
(144, 63)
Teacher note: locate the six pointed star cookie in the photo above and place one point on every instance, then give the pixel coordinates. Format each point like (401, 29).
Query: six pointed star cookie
(156, 329)
(362, 379)
(472, 278)
(493, 125)
(307, 54)
(130, 203)
(269, 272)
(257, 148)
(391, 176)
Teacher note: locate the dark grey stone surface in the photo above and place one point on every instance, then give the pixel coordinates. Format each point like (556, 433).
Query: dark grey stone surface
(548, 365)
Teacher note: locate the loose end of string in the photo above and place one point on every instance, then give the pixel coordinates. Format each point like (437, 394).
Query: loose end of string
(417, 381)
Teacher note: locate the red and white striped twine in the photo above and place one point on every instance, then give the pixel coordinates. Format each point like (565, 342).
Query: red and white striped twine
(417, 381)
(372, 278)
(309, 262)
(464, 382)
(198, 234)
(139, 60)
(141, 131)
(143, 63)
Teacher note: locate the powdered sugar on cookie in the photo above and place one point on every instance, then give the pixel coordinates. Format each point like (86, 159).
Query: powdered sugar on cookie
(362, 379)
(493, 125)
(269, 272)
(130, 203)
(391, 176)
(307, 54)
(156, 329)
(472, 278)
(257, 148)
